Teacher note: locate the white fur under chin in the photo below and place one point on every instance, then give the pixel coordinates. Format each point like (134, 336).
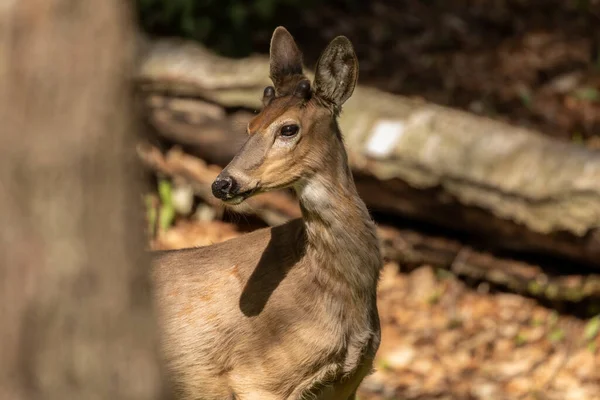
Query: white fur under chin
(313, 193)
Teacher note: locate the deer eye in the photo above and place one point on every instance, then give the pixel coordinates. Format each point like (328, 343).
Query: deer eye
(289, 130)
(269, 92)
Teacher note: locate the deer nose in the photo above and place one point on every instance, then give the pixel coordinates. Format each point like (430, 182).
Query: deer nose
(223, 187)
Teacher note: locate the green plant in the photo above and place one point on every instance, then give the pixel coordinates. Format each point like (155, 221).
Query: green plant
(588, 94)
(166, 213)
(224, 25)
(577, 137)
(592, 328)
(526, 97)
(556, 335)
(435, 297)
(520, 340)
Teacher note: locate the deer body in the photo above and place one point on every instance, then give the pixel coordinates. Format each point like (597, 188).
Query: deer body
(287, 312)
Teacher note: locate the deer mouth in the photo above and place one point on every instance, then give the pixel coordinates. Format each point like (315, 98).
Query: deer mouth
(239, 197)
(235, 200)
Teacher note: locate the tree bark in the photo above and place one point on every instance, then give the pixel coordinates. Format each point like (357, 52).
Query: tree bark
(513, 187)
(77, 320)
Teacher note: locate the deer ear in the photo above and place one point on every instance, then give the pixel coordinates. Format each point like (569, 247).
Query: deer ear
(286, 58)
(337, 72)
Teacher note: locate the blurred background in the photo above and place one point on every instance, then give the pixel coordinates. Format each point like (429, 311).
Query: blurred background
(532, 62)
(473, 137)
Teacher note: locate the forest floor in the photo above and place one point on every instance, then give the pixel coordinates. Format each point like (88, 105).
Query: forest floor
(442, 339)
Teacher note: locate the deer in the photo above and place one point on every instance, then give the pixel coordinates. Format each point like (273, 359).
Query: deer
(290, 311)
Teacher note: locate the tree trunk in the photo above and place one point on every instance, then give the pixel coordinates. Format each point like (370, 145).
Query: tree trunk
(77, 320)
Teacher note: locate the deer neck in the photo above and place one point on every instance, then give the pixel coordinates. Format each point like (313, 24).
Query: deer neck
(341, 239)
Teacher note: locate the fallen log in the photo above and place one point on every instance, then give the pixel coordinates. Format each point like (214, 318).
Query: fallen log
(412, 248)
(513, 187)
(408, 247)
(433, 204)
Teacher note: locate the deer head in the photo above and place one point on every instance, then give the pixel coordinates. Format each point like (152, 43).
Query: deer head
(295, 135)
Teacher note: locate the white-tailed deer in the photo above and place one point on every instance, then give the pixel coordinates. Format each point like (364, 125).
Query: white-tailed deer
(287, 312)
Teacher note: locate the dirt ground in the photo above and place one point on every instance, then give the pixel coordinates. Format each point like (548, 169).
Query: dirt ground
(444, 340)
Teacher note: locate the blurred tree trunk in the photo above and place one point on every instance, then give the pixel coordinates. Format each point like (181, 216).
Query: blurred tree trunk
(76, 319)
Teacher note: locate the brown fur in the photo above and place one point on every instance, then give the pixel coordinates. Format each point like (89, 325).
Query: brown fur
(271, 113)
(287, 312)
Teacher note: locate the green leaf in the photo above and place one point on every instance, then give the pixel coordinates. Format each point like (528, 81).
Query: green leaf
(384, 365)
(165, 191)
(526, 97)
(520, 339)
(537, 322)
(592, 328)
(443, 274)
(166, 213)
(435, 297)
(556, 335)
(534, 287)
(589, 94)
(166, 216)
